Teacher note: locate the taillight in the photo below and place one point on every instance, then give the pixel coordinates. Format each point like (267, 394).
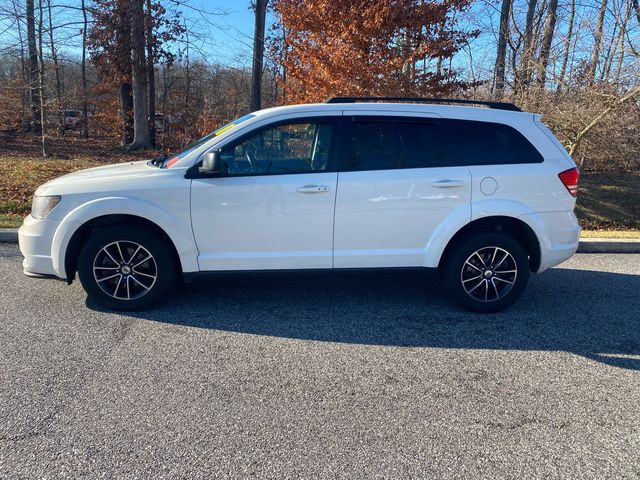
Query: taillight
(569, 179)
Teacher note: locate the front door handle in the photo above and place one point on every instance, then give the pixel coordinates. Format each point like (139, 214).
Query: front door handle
(448, 183)
(313, 189)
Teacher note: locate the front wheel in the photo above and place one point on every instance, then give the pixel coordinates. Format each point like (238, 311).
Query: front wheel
(126, 268)
(486, 272)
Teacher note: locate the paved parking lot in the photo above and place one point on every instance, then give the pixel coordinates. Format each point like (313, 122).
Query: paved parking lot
(324, 376)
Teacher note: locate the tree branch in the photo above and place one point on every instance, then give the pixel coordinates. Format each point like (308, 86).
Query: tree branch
(621, 101)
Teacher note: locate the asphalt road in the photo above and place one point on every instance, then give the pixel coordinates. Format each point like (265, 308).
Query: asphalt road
(324, 376)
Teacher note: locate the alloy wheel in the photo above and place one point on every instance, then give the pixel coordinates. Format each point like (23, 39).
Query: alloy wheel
(489, 274)
(125, 270)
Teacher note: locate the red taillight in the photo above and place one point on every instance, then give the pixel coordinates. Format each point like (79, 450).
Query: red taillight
(569, 179)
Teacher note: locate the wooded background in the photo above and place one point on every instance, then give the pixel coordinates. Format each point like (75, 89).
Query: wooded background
(120, 63)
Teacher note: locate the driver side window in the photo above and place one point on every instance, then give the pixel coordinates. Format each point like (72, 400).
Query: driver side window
(290, 148)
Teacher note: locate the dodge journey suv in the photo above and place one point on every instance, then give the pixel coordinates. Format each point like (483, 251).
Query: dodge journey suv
(486, 195)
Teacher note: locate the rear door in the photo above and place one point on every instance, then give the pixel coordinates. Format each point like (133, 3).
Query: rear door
(395, 186)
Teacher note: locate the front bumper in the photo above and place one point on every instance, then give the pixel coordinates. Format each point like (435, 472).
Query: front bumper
(35, 238)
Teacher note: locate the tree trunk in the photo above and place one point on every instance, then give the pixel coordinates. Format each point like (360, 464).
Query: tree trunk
(187, 71)
(123, 39)
(567, 44)
(151, 72)
(537, 23)
(24, 93)
(126, 110)
(258, 55)
(591, 75)
(623, 33)
(524, 75)
(56, 69)
(441, 34)
(545, 48)
(83, 71)
(34, 97)
(139, 77)
(43, 113)
(502, 48)
(611, 52)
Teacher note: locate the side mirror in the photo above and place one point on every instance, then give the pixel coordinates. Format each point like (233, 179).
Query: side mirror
(212, 163)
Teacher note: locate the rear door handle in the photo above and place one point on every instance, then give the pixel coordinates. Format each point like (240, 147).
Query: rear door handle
(313, 189)
(448, 183)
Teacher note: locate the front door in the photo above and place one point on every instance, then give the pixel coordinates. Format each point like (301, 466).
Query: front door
(273, 207)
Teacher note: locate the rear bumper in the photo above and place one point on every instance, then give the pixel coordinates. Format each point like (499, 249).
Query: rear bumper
(559, 237)
(35, 238)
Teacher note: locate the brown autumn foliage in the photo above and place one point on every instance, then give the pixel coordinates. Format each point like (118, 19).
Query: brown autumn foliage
(11, 102)
(105, 109)
(350, 47)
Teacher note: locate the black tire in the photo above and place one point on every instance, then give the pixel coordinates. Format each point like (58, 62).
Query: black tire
(468, 272)
(147, 282)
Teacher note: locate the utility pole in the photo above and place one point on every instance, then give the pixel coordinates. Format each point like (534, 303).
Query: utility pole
(258, 54)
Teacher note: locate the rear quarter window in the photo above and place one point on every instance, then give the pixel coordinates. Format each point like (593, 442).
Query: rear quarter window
(487, 143)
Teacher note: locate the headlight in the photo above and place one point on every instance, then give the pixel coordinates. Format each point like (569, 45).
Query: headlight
(41, 206)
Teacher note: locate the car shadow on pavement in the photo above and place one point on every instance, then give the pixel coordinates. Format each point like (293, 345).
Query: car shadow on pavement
(589, 313)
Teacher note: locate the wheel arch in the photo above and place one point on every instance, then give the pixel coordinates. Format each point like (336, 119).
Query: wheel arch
(172, 224)
(85, 230)
(515, 227)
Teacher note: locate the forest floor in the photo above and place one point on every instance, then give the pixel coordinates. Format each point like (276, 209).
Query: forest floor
(608, 203)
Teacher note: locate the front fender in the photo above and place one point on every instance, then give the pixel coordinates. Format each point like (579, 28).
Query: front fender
(178, 229)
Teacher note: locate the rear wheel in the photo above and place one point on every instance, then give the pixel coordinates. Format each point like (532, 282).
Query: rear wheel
(486, 272)
(126, 268)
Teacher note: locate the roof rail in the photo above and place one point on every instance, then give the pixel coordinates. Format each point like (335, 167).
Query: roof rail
(495, 105)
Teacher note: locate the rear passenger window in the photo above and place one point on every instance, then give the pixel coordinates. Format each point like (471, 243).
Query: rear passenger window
(485, 143)
(382, 145)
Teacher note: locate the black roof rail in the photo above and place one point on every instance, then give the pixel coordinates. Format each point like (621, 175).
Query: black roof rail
(495, 105)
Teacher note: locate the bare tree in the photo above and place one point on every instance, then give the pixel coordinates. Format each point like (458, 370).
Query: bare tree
(567, 43)
(595, 55)
(598, 118)
(502, 47)
(612, 47)
(17, 15)
(258, 54)
(83, 70)
(621, 40)
(56, 71)
(123, 39)
(151, 72)
(187, 65)
(35, 123)
(41, 93)
(523, 77)
(545, 48)
(139, 77)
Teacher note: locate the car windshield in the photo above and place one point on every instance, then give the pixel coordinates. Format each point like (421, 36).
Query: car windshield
(171, 160)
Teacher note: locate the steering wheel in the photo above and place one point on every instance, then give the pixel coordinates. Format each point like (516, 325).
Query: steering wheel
(250, 155)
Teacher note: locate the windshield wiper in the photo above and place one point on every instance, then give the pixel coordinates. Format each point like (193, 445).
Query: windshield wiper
(159, 161)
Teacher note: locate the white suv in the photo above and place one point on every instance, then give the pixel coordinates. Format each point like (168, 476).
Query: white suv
(484, 194)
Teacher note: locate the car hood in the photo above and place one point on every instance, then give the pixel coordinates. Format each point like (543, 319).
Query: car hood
(91, 178)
